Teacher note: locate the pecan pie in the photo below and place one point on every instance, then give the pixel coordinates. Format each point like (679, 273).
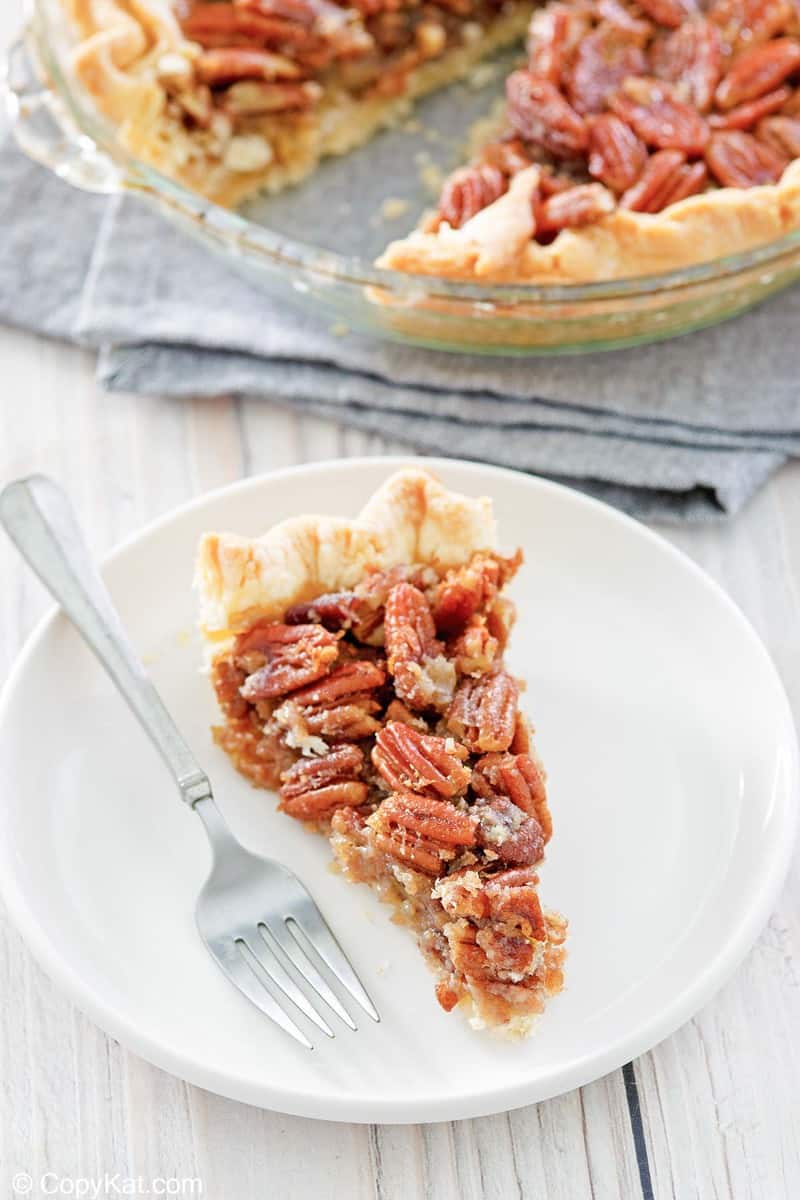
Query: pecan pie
(359, 667)
(638, 136)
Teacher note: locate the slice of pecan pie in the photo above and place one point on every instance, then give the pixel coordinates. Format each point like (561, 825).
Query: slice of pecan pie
(359, 667)
(640, 136)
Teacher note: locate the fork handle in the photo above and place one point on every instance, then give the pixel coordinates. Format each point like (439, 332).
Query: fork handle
(40, 521)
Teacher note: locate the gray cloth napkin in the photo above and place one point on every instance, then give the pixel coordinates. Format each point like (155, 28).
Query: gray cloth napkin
(684, 430)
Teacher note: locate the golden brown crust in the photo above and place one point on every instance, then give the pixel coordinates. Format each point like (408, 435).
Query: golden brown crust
(624, 244)
(412, 518)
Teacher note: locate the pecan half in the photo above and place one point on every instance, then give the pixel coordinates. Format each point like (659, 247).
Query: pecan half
(228, 25)
(549, 41)
(468, 589)
(580, 205)
(423, 678)
(468, 190)
(252, 98)
(654, 111)
(539, 113)
(738, 159)
(475, 651)
(616, 155)
(745, 116)
(334, 610)
(603, 60)
(508, 896)
(692, 56)
(781, 134)
(421, 832)
(666, 12)
(340, 707)
(483, 713)
(314, 787)
(228, 64)
(295, 655)
(666, 179)
(507, 833)
(418, 762)
(509, 939)
(758, 71)
(520, 779)
(747, 23)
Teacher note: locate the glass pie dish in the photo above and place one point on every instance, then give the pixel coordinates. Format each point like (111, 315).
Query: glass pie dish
(315, 244)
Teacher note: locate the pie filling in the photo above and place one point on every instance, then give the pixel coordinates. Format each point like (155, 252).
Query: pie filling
(386, 719)
(262, 89)
(638, 105)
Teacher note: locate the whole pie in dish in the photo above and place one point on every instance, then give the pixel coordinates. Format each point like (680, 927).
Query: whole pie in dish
(359, 669)
(637, 137)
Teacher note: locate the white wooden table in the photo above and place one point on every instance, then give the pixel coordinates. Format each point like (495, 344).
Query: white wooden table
(712, 1112)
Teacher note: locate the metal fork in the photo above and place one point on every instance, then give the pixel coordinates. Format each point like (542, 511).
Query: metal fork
(256, 917)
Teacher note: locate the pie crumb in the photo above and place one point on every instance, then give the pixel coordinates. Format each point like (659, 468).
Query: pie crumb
(393, 207)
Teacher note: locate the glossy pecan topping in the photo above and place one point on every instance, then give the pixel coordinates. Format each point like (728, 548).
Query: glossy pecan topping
(314, 787)
(738, 159)
(615, 92)
(423, 678)
(604, 59)
(518, 778)
(339, 707)
(693, 57)
(758, 71)
(781, 134)
(334, 610)
(617, 156)
(507, 833)
(745, 116)
(483, 713)
(466, 590)
(666, 179)
(654, 111)
(422, 832)
(509, 896)
(290, 656)
(475, 651)
(468, 190)
(580, 205)
(418, 762)
(540, 114)
(490, 953)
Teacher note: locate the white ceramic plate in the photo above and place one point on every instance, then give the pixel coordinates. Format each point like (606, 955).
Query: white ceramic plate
(673, 772)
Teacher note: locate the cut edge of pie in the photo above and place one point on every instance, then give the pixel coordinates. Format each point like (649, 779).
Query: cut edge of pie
(137, 64)
(358, 665)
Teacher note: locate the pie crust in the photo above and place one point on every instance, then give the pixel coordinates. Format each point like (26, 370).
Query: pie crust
(496, 246)
(359, 669)
(412, 518)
